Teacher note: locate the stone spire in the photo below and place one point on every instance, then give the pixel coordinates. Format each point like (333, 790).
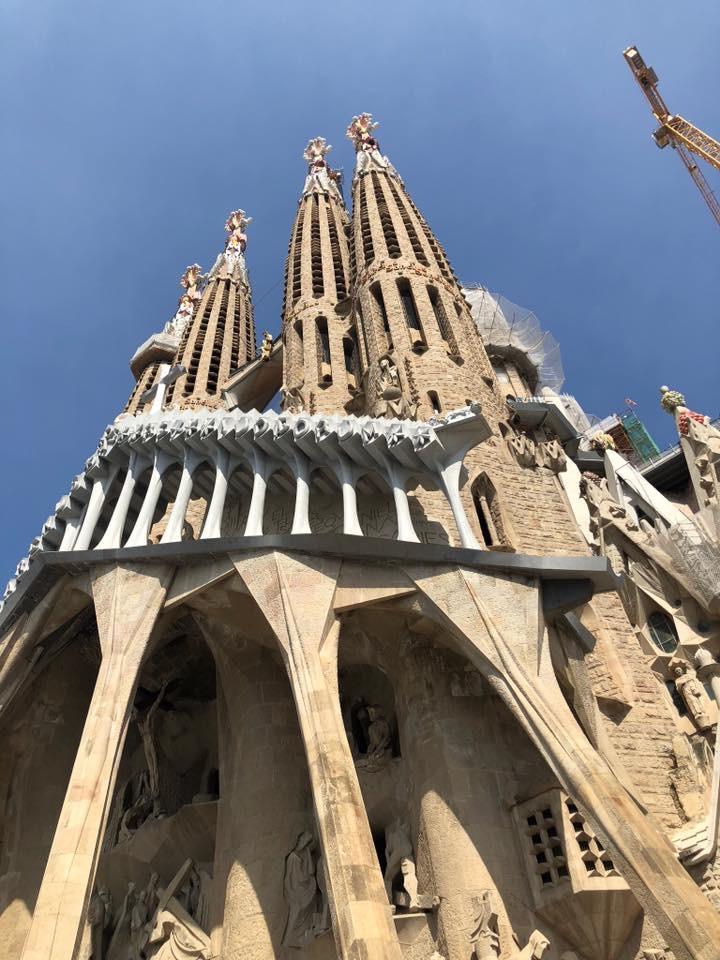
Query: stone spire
(321, 363)
(420, 347)
(216, 327)
(151, 362)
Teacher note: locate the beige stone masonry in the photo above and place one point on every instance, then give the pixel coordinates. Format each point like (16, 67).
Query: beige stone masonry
(127, 600)
(296, 597)
(516, 665)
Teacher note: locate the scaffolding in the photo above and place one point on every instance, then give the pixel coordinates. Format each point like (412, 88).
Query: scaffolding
(507, 329)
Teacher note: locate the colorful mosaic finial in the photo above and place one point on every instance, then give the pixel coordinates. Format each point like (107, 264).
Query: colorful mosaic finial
(360, 131)
(670, 400)
(601, 442)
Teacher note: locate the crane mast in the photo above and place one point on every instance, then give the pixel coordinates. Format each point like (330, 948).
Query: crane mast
(684, 137)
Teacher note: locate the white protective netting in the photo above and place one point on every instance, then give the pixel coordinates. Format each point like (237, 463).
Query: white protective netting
(503, 324)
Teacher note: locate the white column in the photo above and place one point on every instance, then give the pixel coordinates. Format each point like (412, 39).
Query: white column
(301, 517)
(398, 480)
(141, 530)
(213, 520)
(72, 525)
(174, 529)
(254, 525)
(93, 509)
(450, 482)
(112, 537)
(348, 478)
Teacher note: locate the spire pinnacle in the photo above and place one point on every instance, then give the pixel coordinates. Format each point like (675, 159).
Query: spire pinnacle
(190, 281)
(233, 257)
(321, 177)
(360, 131)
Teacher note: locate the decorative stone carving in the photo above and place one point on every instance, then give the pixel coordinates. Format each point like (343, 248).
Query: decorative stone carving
(692, 693)
(397, 848)
(292, 399)
(175, 936)
(379, 737)
(321, 178)
(369, 158)
(485, 938)
(138, 811)
(524, 449)
(99, 919)
(553, 456)
(301, 892)
(145, 724)
(600, 442)
(235, 244)
(390, 402)
(266, 345)
(190, 280)
(535, 948)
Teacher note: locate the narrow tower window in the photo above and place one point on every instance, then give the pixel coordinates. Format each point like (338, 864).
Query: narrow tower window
(489, 515)
(442, 320)
(323, 351)
(316, 250)
(297, 256)
(365, 232)
(434, 402)
(338, 265)
(350, 351)
(376, 291)
(388, 228)
(417, 337)
(663, 632)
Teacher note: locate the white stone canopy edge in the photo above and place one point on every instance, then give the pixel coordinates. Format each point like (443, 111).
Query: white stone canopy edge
(350, 446)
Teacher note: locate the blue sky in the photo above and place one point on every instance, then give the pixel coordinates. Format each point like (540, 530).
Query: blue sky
(131, 129)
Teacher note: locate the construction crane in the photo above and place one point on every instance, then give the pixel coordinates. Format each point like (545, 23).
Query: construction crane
(684, 137)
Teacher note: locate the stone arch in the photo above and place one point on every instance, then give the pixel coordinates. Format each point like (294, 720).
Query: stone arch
(326, 503)
(490, 517)
(376, 507)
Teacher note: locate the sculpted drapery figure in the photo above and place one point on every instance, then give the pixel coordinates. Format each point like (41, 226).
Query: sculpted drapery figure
(693, 694)
(536, 947)
(397, 848)
(99, 917)
(390, 399)
(301, 891)
(485, 939)
(379, 736)
(145, 725)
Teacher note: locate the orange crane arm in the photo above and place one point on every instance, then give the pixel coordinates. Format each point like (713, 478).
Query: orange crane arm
(674, 130)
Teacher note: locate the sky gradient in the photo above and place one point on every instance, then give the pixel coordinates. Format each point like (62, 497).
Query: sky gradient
(131, 130)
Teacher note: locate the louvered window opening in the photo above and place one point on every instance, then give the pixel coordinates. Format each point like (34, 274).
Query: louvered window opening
(235, 307)
(318, 285)
(365, 232)
(322, 345)
(412, 233)
(297, 255)
(442, 321)
(388, 228)
(437, 250)
(412, 318)
(377, 294)
(338, 266)
(198, 347)
(218, 341)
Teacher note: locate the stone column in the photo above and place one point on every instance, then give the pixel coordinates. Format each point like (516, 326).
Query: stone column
(450, 745)
(128, 600)
(295, 595)
(265, 799)
(472, 606)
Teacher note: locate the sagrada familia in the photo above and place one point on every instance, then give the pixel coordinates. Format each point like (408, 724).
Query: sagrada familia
(410, 667)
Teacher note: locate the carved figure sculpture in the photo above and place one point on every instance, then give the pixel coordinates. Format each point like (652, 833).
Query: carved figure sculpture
(292, 399)
(137, 812)
(390, 399)
(536, 947)
(397, 848)
(321, 923)
(693, 693)
(410, 883)
(301, 890)
(178, 936)
(266, 346)
(138, 930)
(99, 917)
(485, 938)
(145, 724)
(122, 925)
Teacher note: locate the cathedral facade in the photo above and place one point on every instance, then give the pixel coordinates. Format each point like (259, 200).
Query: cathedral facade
(408, 669)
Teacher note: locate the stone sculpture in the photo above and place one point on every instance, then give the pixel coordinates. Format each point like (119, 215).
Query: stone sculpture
(266, 346)
(535, 948)
(145, 724)
(360, 131)
(292, 399)
(692, 692)
(175, 935)
(485, 938)
(379, 737)
(138, 811)
(121, 932)
(99, 919)
(320, 177)
(397, 848)
(301, 891)
(390, 399)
